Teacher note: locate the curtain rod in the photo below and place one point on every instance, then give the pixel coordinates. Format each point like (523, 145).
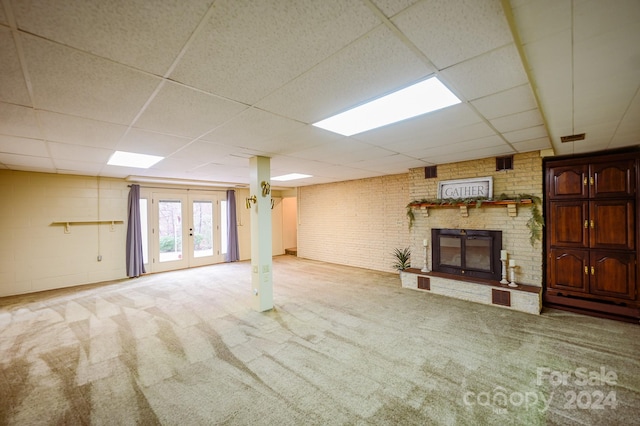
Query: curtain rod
(180, 189)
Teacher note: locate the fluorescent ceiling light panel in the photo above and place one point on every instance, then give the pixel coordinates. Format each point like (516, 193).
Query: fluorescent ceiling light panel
(131, 159)
(420, 98)
(290, 176)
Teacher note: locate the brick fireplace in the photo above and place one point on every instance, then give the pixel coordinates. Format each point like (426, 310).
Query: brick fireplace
(509, 221)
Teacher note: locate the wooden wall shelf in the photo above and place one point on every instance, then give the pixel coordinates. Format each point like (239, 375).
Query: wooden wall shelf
(67, 223)
(464, 207)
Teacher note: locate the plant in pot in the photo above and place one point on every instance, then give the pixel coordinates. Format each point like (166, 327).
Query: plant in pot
(403, 258)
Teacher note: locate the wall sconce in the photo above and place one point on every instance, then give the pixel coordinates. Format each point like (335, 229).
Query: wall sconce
(251, 199)
(266, 188)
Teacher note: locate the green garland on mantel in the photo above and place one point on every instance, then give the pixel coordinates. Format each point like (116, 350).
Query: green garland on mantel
(535, 222)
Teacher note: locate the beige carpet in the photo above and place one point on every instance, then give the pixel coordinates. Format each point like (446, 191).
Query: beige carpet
(343, 346)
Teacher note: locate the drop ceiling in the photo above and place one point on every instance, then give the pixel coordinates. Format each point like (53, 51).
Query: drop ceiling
(209, 84)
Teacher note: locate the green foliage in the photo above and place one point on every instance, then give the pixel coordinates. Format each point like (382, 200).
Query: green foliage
(403, 258)
(168, 244)
(535, 223)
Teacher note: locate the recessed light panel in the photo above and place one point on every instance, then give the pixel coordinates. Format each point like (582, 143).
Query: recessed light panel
(290, 176)
(420, 98)
(131, 159)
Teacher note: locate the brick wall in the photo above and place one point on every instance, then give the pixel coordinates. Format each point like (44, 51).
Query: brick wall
(360, 222)
(356, 223)
(525, 178)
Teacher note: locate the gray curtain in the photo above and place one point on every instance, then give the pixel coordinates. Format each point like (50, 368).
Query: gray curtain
(233, 253)
(135, 262)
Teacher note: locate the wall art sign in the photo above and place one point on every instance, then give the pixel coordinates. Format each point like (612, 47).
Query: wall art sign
(466, 188)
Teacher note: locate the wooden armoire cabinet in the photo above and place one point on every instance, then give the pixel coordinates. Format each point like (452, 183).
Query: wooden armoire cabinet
(591, 214)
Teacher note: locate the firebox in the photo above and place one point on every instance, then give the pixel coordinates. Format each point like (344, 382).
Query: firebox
(469, 253)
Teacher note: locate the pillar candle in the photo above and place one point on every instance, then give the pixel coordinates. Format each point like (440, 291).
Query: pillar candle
(424, 242)
(512, 263)
(503, 255)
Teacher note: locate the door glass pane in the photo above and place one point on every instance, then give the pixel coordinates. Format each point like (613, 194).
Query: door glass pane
(202, 228)
(170, 229)
(450, 251)
(224, 226)
(145, 229)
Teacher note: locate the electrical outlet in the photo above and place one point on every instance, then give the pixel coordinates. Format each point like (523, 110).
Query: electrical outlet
(99, 258)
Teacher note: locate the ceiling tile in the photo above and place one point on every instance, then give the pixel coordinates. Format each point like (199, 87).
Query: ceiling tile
(121, 172)
(453, 157)
(390, 164)
(301, 138)
(532, 145)
(13, 88)
(629, 128)
(80, 131)
(595, 18)
(427, 154)
(182, 111)
(23, 146)
(335, 151)
(146, 142)
(255, 129)
(63, 151)
(204, 152)
(526, 134)
(452, 31)
(520, 120)
(480, 76)
(144, 35)
(222, 173)
(76, 167)
(249, 49)
(441, 121)
(539, 19)
(505, 103)
(28, 163)
(170, 164)
(374, 65)
(68, 81)
(19, 121)
(392, 7)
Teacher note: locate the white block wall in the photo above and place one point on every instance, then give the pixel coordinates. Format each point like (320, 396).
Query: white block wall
(36, 255)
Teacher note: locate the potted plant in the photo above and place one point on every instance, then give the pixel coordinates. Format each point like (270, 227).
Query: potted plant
(403, 258)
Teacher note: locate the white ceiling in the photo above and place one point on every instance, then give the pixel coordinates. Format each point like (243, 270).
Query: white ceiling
(209, 84)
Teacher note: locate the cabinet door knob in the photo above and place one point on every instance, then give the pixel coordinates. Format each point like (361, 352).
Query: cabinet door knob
(586, 270)
(593, 271)
(592, 225)
(586, 224)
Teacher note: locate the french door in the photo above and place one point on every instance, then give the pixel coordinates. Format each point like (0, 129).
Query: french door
(185, 230)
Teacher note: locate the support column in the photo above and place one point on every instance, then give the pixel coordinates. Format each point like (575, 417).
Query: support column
(261, 252)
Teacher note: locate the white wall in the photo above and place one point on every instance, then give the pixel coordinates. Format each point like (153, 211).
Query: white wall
(36, 255)
(290, 222)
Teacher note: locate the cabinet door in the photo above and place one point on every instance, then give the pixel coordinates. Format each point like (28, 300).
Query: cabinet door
(612, 224)
(569, 270)
(568, 182)
(613, 274)
(570, 224)
(612, 179)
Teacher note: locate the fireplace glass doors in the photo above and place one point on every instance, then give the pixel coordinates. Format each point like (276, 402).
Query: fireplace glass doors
(468, 253)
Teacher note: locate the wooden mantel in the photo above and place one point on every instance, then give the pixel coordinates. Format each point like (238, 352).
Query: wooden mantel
(510, 204)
